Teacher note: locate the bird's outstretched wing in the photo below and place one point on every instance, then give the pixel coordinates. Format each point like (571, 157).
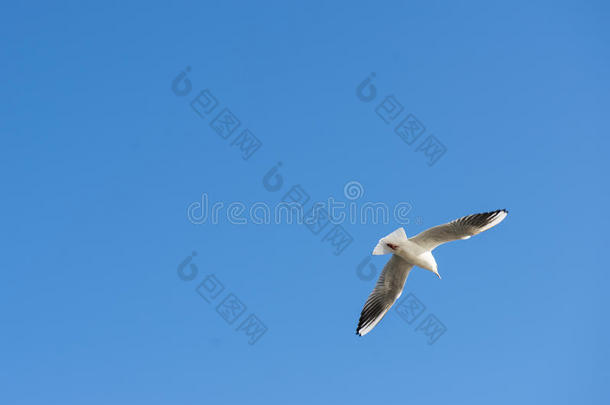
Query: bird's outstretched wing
(462, 228)
(386, 291)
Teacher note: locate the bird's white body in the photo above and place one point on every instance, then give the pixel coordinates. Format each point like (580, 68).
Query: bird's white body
(416, 255)
(413, 253)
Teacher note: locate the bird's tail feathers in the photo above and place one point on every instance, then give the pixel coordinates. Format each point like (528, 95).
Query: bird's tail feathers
(396, 237)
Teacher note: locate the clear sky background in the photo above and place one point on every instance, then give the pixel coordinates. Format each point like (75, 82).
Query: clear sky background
(100, 160)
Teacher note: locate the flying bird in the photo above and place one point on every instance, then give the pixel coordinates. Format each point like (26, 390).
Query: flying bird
(415, 251)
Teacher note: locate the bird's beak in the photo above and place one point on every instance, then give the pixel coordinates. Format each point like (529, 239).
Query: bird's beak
(438, 275)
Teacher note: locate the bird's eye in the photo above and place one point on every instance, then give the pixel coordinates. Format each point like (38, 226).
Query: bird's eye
(392, 246)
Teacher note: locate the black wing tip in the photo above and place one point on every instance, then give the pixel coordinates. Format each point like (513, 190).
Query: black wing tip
(482, 219)
(494, 214)
(504, 210)
(361, 324)
(490, 213)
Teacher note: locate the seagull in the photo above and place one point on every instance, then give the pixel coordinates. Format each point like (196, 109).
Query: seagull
(415, 251)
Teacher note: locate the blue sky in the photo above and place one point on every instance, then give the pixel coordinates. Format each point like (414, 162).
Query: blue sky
(101, 159)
